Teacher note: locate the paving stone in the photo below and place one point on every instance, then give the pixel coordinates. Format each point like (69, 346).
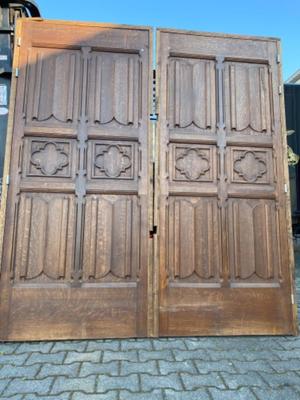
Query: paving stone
(156, 355)
(288, 354)
(42, 347)
(109, 368)
(151, 382)
(56, 358)
(11, 371)
(113, 395)
(156, 394)
(63, 384)
(291, 345)
(166, 367)
(101, 345)
(146, 367)
(137, 344)
(285, 379)
(207, 366)
(277, 394)
(3, 384)
(283, 366)
(193, 382)
(234, 381)
(248, 343)
(241, 394)
(245, 366)
(63, 396)
(13, 359)
(118, 356)
(70, 370)
(201, 343)
(216, 355)
(162, 344)
(78, 345)
(38, 386)
(8, 348)
(181, 355)
(260, 355)
(200, 394)
(105, 383)
(74, 356)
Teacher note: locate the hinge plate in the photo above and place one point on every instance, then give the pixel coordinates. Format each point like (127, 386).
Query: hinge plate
(292, 298)
(278, 58)
(17, 72)
(280, 89)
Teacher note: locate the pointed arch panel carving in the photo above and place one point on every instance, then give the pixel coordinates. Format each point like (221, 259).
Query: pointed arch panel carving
(44, 248)
(53, 86)
(111, 240)
(253, 252)
(194, 239)
(114, 89)
(248, 98)
(192, 94)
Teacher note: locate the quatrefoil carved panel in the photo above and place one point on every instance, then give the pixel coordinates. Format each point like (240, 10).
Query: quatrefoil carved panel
(49, 158)
(113, 161)
(250, 166)
(192, 163)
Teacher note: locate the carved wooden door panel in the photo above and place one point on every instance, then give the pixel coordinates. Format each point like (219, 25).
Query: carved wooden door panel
(224, 266)
(76, 247)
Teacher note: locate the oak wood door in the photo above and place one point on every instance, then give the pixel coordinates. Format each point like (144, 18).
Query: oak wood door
(76, 248)
(223, 237)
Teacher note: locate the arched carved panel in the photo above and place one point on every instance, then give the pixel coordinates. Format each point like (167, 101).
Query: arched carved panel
(114, 89)
(110, 245)
(53, 86)
(191, 94)
(254, 254)
(44, 237)
(193, 231)
(248, 98)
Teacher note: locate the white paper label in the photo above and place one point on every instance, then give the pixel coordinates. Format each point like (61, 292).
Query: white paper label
(3, 95)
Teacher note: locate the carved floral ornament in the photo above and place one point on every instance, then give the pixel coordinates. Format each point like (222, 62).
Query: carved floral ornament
(249, 166)
(113, 161)
(49, 158)
(192, 164)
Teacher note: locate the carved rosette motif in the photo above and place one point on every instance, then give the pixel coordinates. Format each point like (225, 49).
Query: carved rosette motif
(250, 166)
(113, 161)
(192, 163)
(49, 158)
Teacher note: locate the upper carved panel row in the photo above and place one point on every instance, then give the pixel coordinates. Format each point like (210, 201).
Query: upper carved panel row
(193, 101)
(55, 86)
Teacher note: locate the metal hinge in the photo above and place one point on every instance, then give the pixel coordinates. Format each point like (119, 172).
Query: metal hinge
(280, 89)
(278, 58)
(18, 41)
(7, 180)
(17, 72)
(285, 188)
(293, 298)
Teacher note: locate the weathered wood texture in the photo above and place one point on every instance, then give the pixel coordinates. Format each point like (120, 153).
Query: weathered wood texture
(223, 231)
(76, 244)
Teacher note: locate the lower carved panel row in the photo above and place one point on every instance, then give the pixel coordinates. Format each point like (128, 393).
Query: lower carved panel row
(194, 246)
(45, 238)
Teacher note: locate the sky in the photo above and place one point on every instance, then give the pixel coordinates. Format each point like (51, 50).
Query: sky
(276, 18)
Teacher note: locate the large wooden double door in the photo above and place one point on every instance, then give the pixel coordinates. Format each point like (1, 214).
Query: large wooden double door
(116, 228)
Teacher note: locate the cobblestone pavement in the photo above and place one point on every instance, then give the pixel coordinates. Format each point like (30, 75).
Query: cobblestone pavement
(225, 368)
